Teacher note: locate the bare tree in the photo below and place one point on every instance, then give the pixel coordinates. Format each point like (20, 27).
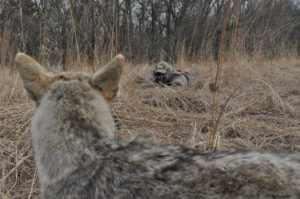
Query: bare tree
(83, 31)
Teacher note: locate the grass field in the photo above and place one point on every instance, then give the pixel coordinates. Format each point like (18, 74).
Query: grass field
(263, 112)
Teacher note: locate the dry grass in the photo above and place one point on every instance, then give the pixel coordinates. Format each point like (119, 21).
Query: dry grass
(263, 112)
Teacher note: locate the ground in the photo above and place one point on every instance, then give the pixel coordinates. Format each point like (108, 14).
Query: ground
(262, 113)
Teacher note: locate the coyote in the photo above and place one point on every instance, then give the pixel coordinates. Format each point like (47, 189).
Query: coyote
(77, 155)
(165, 73)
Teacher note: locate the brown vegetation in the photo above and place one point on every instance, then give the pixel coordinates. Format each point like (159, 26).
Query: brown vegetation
(144, 30)
(258, 94)
(263, 113)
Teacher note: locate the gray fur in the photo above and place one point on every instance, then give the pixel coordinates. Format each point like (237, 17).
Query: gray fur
(166, 74)
(77, 156)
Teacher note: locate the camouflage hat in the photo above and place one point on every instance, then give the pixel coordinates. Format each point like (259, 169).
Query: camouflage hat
(161, 70)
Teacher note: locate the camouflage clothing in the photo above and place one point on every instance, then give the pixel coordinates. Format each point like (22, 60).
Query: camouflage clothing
(164, 73)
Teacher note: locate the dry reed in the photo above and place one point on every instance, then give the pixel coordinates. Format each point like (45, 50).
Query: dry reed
(262, 113)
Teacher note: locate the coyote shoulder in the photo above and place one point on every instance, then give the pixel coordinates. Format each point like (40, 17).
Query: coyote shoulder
(77, 155)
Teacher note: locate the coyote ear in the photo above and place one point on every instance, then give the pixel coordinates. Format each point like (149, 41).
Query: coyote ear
(108, 78)
(35, 78)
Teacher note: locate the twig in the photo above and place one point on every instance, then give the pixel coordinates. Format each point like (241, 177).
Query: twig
(213, 135)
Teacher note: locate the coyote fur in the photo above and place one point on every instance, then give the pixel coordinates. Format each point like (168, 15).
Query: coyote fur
(77, 156)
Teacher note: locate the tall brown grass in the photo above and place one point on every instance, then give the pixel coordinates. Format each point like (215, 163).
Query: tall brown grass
(259, 102)
(258, 105)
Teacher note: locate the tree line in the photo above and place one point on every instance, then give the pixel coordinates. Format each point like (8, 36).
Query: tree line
(145, 30)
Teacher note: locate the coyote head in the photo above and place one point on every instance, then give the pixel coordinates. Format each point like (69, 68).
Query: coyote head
(37, 80)
(71, 112)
